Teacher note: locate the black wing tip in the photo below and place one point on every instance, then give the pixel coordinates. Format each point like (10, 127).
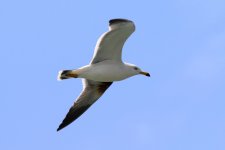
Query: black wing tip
(72, 115)
(58, 129)
(118, 20)
(61, 126)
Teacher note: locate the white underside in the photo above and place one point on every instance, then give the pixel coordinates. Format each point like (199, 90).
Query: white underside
(105, 71)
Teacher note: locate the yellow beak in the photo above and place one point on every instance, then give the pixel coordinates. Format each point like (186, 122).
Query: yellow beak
(145, 73)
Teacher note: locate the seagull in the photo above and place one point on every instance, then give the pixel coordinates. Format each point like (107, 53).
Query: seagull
(105, 67)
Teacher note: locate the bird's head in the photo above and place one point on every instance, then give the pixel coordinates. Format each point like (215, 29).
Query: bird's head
(134, 70)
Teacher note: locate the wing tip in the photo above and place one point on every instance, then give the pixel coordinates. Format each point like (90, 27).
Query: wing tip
(61, 126)
(72, 115)
(118, 20)
(58, 129)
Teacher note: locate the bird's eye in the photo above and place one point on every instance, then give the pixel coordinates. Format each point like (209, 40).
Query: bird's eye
(135, 68)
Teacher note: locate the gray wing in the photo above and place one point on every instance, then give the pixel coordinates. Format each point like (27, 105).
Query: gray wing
(109, 45)
(92, 91)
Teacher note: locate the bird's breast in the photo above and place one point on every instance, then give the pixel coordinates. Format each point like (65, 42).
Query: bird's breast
(106, 71)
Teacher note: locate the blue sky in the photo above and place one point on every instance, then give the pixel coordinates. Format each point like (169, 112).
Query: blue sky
(181, 43)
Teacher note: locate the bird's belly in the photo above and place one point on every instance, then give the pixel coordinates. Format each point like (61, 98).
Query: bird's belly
(107, 72)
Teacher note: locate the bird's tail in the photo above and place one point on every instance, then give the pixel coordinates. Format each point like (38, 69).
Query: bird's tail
(66, 74)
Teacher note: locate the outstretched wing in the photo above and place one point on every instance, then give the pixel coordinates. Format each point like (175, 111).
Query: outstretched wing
(109, 45)
(92, 91)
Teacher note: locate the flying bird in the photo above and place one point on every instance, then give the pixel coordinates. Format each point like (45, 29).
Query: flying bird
(105, 67)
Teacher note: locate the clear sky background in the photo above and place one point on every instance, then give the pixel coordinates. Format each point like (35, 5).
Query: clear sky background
(181, 107)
